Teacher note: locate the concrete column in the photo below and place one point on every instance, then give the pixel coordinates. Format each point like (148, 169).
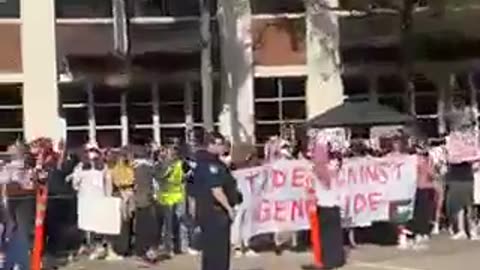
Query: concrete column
(188, 108)
(442, 81)
(92, 123)
(156, 113)
(124, 118)
(237, 119)
(40, 94)
(206, 65)
(324, 88)
(473, 98)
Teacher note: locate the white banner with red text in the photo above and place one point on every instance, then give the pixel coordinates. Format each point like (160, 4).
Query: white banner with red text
(276, 197)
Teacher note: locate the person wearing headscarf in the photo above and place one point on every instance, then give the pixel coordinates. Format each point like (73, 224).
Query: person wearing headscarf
(92, 181)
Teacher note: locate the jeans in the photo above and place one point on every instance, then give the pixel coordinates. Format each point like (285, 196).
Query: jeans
(22, 209)
(176, 228)
(17, 251)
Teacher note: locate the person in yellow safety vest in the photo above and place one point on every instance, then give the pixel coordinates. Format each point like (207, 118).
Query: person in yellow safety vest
(171, 196)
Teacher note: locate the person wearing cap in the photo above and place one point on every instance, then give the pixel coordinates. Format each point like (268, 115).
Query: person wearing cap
(216, 195)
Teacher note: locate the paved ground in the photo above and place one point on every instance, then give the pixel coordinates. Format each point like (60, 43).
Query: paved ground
(443, 254)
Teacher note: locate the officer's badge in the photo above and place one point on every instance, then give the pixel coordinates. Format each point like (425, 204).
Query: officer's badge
(213, 169)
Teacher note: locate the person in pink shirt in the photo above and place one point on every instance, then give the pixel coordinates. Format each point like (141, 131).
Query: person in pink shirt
(424, 199)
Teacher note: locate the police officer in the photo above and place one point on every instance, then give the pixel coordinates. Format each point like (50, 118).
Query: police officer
(215, 194)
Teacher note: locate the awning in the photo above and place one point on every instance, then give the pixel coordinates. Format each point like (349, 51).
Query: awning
(358, 113)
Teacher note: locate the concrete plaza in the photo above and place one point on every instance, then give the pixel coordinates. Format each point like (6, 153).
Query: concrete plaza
(443, 254)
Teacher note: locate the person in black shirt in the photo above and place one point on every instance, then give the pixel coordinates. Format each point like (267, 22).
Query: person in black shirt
(459, 180)
(216, 194)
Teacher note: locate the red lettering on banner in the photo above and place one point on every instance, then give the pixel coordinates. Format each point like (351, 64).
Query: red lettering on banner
(351, 175)
(362, 202)
(299, 175)
(251, 180)
(383, 175)
(371, 173)
(347, 205)
(283, 210)
(311, 205)
(264, 211)
(340, 178)
(309, 184)
(359, 203)
(278, 178)
(398, 170)
(280, 213)
(297, 209)
(374, 200)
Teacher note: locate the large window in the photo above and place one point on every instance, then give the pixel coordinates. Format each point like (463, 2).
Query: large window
(277, 6)
(83, 8)
(11, 114)
(157, 112)
(74, 100)
(9, 9)
(278, 101)
(157, 8)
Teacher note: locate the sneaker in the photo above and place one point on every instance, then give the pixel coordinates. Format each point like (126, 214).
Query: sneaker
(112, 256)
(193, 252)
(451, 231)
(238, 253)
(425, 238)
(419, 246)
(97, 253)
(83, 250)
(474, 235)
(403, 242)
(421, 239)
(459, 236)
(252, 254)
(436, 229)
(152, 255)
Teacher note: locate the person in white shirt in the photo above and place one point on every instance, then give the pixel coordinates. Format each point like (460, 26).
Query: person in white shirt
(92, 181)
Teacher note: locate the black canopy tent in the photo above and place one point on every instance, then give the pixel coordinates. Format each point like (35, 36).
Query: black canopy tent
(359, 114)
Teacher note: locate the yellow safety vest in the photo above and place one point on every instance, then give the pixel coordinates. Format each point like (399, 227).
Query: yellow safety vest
(173, 191)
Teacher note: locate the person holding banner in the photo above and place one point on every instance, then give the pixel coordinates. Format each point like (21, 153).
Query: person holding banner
(459, 179)
(215, 196)
(424, 198)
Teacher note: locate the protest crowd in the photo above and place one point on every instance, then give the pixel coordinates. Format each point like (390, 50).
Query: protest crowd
(151, 202)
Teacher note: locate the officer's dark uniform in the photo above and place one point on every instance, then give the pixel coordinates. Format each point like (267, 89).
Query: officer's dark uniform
(214, 221)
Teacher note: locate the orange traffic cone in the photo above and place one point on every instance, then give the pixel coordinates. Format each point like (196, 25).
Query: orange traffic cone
(316, 241)
(41, 208)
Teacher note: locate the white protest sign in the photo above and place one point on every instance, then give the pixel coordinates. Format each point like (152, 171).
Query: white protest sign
(463, 146)
(336, 137)
(276, 197)
(476, 186)
(101, 215)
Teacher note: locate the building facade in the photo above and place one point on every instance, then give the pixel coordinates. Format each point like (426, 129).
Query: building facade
(61, 73)
(61, 76)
